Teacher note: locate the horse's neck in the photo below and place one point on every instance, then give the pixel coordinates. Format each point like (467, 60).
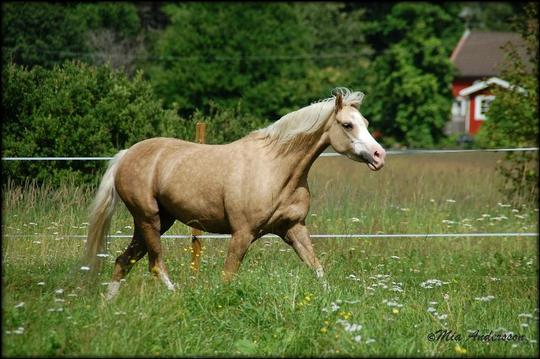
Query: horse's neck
(299, 157)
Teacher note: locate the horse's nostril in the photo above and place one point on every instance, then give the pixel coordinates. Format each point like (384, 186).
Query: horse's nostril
(377, 154)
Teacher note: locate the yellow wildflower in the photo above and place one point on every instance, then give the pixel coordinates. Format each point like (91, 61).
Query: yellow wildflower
(459, 349)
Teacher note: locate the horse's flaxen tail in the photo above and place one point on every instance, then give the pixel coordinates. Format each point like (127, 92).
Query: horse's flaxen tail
(101, 213)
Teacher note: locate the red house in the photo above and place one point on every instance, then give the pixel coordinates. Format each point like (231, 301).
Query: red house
(477, 58)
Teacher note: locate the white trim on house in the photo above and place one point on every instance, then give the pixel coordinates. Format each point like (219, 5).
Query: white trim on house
(485, 84)
(478, 113)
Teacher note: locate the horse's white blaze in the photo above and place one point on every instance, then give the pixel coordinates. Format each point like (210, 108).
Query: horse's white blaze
(363, 142)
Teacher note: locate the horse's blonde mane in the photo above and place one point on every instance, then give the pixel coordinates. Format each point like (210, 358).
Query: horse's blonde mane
(308, 119)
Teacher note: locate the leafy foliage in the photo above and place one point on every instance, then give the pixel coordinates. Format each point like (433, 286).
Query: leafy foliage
(513, 115)
(35, 33)
(262, 54)
(410, 94)
(47, 34)
(73, 110)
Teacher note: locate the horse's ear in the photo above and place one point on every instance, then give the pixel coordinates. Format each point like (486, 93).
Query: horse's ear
(339, 103)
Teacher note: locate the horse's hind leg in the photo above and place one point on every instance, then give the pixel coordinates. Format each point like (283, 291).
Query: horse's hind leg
(151, 231)
(124, 262)
(133, 253)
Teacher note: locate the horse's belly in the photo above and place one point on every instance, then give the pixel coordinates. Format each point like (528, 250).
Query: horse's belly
(208, 216)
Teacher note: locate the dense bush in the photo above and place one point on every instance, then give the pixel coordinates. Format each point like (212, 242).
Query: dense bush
(77, 110)
(513, 115)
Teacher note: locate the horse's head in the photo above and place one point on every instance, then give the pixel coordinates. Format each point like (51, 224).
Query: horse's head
(349, 135)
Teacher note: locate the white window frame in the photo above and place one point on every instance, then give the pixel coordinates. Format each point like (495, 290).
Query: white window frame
(478, 114)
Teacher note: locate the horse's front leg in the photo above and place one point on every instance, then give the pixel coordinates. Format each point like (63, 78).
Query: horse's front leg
(237, 249)
(298, 237)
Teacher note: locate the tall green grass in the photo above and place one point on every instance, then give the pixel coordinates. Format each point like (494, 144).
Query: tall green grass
(377, 303)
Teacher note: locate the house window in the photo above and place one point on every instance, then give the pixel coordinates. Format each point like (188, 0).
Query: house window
(481, 106)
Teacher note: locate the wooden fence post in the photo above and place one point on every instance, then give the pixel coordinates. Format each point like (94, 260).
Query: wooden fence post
(200, 137)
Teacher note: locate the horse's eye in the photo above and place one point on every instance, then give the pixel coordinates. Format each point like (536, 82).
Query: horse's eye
(347, 125)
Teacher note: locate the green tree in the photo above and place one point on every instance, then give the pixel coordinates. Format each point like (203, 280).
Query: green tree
(47, 34)
(270, 57)
(513, 115)
(41, 33)
(77, 110)
(411, 73)
(223, 52)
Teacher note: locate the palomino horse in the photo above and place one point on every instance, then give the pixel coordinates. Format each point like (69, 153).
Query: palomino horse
(247, 188)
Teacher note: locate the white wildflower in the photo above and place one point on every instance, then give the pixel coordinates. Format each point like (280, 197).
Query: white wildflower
(430, 283)
(392, 303)
(442, 316)
(349, 327)
(19, 330)
(484, 299)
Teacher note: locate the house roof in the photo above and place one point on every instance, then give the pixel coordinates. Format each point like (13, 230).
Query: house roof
(485, 84)
(480, 53)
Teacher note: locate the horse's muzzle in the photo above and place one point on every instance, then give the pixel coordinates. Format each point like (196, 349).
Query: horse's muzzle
(376, 159)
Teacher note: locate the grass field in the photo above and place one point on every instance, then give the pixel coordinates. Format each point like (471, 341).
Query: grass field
(387, 297)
